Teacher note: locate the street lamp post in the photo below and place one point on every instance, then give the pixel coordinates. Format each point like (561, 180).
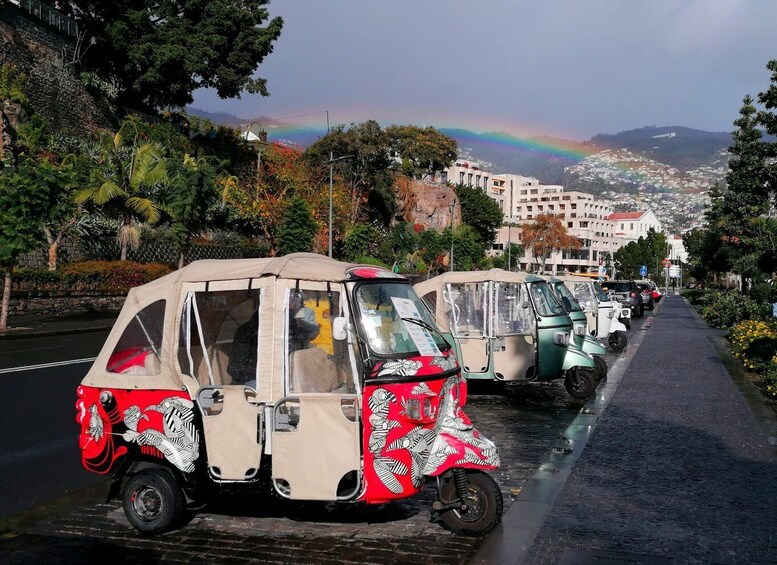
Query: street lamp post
(453, 209)
(331, 163)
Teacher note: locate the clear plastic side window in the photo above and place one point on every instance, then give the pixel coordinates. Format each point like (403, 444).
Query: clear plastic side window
(317, 362)
(219, 341)
(513, 310)
(138, 351)
(466, 307)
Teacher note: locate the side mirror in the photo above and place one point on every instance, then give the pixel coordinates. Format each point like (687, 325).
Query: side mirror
(340, 328)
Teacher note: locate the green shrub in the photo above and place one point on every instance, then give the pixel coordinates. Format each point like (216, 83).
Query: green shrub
(90, 276)
(770, 380)
(754, 342)
(723, 309)
(113, 275)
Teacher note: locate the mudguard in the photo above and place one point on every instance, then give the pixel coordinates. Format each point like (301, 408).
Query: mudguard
(617, 326)
(576, 357)
(592, 346)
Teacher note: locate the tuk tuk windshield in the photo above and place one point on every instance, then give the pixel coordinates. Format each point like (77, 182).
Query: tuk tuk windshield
(544, 301)
(568, 299)
(395, 321)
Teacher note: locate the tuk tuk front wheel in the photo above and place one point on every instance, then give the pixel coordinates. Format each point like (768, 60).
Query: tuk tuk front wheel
(152, 501)
(580, 382)
(484, 505)
(601, 367)
(618, 341)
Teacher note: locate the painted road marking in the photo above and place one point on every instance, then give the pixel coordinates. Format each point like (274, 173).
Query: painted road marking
(47, 365)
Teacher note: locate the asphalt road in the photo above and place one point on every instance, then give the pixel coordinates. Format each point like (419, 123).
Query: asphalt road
(39, 460)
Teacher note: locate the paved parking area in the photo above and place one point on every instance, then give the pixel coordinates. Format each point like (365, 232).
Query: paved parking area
(524, 422)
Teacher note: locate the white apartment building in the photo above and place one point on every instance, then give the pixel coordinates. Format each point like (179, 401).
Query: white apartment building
(522, 199)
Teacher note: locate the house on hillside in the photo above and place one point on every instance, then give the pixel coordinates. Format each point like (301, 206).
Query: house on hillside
(630, 226)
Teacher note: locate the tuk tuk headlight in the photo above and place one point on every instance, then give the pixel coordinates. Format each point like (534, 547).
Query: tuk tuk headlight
(561, 338)
(611, 314)
(420, 409)
(579, 329)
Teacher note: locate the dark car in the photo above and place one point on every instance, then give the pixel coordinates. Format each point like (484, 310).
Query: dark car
(627, 293)
(646, 293)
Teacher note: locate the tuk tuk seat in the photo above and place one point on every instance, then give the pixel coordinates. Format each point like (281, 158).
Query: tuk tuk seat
(312, 371)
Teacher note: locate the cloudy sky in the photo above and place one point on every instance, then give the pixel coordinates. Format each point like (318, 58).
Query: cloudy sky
(570, 68)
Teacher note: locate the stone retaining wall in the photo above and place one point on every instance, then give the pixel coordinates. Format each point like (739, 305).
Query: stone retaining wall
(49, 303)
(53, 85)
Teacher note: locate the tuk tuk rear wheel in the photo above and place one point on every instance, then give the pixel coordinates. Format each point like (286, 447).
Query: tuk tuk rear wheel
(618, 341)
(152, 501)
(484, 505)
(580, 382)
(601, 367)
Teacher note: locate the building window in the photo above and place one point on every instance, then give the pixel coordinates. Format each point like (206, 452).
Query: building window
(469, 179)
(461, 177)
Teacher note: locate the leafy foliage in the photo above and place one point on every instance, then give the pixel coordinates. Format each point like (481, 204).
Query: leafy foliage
(297, 229)
(723, 309)
(480, 212)
(547, 235)
(649, 251)
(12, 84)
(155, 54)
(422, 151)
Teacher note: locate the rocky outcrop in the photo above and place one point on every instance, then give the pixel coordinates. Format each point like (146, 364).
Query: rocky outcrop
(426, 205)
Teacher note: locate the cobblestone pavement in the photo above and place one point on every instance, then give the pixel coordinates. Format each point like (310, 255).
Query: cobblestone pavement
(524, 422)
(677, 470)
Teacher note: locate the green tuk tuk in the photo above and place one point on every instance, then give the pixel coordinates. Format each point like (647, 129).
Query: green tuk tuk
(508, 326)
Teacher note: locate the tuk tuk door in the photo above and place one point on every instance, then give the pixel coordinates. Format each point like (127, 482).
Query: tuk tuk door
(316, 426)
(219, 347)
(467, 313)
(583, 292)
(514, 327)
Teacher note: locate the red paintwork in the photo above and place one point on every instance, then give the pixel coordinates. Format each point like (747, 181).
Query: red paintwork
(389, 435)
(101, 454)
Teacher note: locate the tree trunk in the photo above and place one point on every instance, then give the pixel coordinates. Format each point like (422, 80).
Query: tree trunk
(181, 260)
(53, 249)
(123, 250)
(6, 301)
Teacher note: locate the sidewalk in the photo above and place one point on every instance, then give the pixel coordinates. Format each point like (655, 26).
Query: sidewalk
(677, 469)
(35, 326)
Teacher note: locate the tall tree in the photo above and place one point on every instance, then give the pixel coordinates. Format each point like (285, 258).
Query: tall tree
(422, 151)
(648, 251)
(768, 119)
(154, 54)
(364, 165)
(546, 236)
(26, 193)
(298, 228)
(126, 184)
(190, 194)
(480, 212)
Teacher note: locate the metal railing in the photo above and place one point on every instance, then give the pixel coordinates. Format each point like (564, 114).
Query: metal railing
(48, 15)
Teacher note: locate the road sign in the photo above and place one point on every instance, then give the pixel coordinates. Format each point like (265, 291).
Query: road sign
(666, 262)
(643, 271)
(674, 271)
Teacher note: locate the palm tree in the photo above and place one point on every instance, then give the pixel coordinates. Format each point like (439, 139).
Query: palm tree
(127, 183)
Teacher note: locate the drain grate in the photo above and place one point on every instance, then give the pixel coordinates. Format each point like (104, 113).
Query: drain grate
(598, 557)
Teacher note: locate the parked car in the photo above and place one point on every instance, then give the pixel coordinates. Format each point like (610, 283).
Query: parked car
(657, 294)
(646, 294)
(627, 293)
